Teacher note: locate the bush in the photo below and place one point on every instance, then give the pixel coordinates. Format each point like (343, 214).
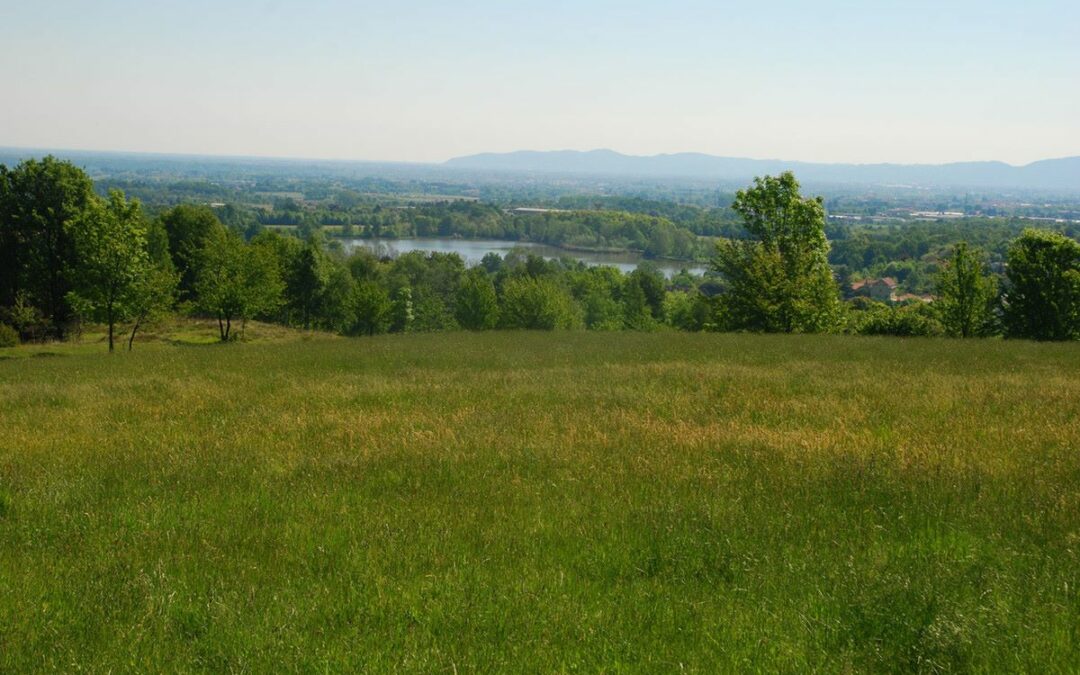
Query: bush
(538, 304)
(917, 319)
(9, 337)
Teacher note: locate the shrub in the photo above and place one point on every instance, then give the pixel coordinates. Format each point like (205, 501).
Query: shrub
(538, 304)
(917, 319)
(9, 337)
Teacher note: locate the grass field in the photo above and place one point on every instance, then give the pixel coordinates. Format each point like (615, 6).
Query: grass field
(542, 502)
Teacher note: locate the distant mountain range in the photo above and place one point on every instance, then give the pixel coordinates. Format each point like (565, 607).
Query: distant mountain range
(1050, 174)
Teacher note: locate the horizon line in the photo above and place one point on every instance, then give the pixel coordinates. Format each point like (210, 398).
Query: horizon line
(443, 163)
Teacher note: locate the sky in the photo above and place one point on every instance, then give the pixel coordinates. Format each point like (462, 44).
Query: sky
(424, 80)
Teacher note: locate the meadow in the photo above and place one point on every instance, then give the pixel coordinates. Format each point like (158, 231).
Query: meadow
(541, 502)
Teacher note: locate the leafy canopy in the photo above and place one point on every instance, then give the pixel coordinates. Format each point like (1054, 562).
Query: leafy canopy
(112, 261)
(1042, 300)
(780, 280)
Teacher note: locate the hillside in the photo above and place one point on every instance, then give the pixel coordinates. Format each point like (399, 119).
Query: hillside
(559, 501)
(1051, 174)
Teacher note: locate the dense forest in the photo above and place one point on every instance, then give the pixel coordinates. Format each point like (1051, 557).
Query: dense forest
(69, 255)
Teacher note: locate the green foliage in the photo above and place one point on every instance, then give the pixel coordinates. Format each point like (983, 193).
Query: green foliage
(152, 296)
(688, 311)
(477, 305)
(653, 289)
(599, 290)
(374, 311)
(917, 319)
(112, 262)
(966, 295)
(237, 281)
(27, 320)
(636, 312)
(39, 200)
(9, 337)
(307, 279)
(433, 280)
(777, 281)
(337, 300)
(602, 311)
(402, 312)
(781, 280)
(189, 229)
(538, 303)
(1042, 298)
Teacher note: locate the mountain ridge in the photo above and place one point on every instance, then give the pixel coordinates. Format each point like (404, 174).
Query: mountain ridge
(1059, 174)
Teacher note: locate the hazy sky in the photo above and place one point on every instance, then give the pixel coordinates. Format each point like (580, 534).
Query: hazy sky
(421, 80)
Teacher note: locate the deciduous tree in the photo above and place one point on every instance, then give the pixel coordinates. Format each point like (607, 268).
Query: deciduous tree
(39, 200)
(477, 305)
(965, 295)
(189, 227)
(112, 261)
(237, 281)
(779, 281)
(1042, 297)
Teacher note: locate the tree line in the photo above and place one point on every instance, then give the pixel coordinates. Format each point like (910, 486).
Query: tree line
(68, 256)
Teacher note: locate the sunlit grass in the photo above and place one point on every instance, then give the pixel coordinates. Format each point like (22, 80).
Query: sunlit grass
(541, 502)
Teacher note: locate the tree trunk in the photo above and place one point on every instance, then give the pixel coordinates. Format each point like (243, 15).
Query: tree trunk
(221, 329)
(112, 324)
(228, 327)
(134, 329)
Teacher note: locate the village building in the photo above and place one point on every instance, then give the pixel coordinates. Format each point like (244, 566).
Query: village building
(885, 290)
(876, 289)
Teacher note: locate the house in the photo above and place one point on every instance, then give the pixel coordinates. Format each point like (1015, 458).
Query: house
(878, 289)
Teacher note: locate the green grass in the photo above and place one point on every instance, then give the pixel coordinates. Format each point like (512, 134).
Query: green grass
(543, 502)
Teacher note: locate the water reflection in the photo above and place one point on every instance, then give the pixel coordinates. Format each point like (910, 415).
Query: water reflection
(472, 251)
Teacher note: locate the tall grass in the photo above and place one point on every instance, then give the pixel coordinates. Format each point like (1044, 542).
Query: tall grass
(519, 501)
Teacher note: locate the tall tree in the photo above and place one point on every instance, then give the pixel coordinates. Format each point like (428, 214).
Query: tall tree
(780, 281)
(112, 260)
(189, 227)
(965, 295)
(306, 282)
(1042, 297)
(39, 199)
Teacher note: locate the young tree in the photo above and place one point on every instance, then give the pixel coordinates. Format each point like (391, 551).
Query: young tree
(153, 295)
(236, 281)
(112, 261)
(477, 305)
(1042, 298)
(781, 280)
(965, 295)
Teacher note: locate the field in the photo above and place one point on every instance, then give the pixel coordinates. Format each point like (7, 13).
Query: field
(542, 502)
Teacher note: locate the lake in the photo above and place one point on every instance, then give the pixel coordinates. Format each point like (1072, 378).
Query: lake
(472, 251)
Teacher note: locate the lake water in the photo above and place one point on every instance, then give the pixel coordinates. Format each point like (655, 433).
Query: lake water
(472, 251)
